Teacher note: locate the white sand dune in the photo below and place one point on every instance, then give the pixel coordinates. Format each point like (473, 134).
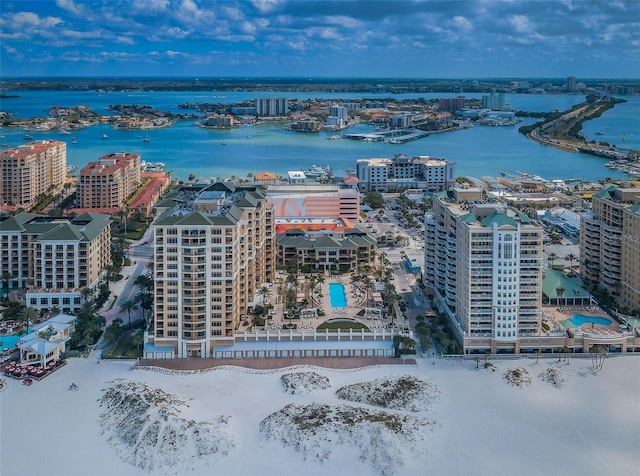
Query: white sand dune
(485, 426)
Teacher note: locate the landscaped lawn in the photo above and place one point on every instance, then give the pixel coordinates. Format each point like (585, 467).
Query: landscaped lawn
(342, 324)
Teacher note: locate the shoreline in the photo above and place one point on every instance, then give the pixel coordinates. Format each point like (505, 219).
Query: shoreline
(515, 421)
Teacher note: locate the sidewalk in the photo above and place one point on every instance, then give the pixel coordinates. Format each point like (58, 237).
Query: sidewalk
(275, 363)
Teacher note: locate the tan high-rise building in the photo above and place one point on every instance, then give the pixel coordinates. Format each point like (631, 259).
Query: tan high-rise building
(54, 258)
(213, 249)
(483, 266)
(30, 170)
(610, 245)
(108, 182)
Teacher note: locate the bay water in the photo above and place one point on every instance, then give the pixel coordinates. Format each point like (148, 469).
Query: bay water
(185, 149)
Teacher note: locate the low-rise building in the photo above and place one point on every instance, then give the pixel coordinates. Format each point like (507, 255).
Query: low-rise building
(403, 172)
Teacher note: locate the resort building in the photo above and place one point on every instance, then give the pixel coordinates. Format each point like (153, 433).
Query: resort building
(47, 341)
(315, 200)
(30, 170)
(109, 182)
(483, 267)
(213, 248)
(272, 107)
(610, 244)
(337, 249)
(54, 258)
(403, 172)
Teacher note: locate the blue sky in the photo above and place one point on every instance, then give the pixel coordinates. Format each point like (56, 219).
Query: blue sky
(310, 38)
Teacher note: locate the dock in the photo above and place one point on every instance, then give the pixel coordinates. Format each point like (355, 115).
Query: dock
(392, 136)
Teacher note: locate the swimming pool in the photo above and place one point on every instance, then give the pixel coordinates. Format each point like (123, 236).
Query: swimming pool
(9, 342)
(579, 319)
(337, 296)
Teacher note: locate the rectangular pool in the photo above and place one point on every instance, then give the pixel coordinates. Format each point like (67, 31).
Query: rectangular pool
(337, 295)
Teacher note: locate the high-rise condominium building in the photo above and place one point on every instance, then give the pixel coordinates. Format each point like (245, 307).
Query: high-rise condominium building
(483, 267)
(610, 244)
(495, 102)
(30, 170)
(315, 200)
(570, 85)
(272, 107)
(108, 182)
(54, 258)
(214, 247)
(402, 172)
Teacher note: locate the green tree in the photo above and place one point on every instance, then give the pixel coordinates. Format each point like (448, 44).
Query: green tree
(129, 306)
(570, 258)
(374, 200)
(265, 293)
(552, 257)
(6, 279)
(28, 314)
(560, 292)
(113, 332)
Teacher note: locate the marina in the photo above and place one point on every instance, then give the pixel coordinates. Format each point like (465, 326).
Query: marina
(184, 149)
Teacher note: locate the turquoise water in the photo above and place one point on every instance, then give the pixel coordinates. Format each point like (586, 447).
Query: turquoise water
(479, 151)
(579, 319)
(337, 295)
(9, 341)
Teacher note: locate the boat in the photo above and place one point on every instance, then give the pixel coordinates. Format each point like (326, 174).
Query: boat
(315, 171)
(334, 137)
(27, 137)
(64, 132)
(74, 140)
(146, 139)
(104, 136)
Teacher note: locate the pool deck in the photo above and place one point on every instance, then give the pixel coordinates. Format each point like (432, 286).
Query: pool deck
(556, 314)
(356, 301)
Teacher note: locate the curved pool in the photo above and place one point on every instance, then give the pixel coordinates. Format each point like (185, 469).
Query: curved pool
(337, 295)
(579, 319)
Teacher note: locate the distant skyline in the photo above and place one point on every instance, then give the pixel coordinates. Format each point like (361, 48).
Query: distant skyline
(282, 38)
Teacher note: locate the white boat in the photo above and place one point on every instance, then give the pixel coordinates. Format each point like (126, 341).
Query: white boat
(104, 136)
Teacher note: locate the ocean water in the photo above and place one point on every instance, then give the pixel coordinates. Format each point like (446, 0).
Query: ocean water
(185, 149)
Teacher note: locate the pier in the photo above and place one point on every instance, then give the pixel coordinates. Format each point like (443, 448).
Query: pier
(392, 136)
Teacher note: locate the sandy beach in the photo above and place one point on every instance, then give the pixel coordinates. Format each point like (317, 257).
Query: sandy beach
(479, 422)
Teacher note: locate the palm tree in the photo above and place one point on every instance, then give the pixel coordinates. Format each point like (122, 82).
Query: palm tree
(144, 282)
(6, 279)
(367, 282)
(570, 258)
(560, 291)
(265, 293)
(129, 306)
(552, 257)
(86, 293)
(28, 314)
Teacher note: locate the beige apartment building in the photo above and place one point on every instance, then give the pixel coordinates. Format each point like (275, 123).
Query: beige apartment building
(30, 170)
(214, 247)
(315, 200)
(108, 182)
(54, 258)
(483, 267)
(610, 244)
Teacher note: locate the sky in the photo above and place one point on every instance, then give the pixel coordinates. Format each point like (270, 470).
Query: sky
(311, 38)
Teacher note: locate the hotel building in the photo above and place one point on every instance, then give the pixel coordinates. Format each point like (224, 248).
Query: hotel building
(610, 244)
(402, 172)
(30, 170)
(213, 247)
(55, 258)
(483, 267)
(109, 182)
